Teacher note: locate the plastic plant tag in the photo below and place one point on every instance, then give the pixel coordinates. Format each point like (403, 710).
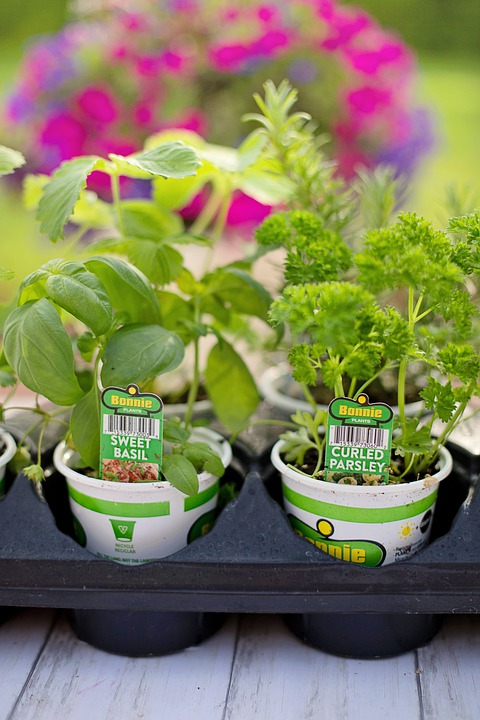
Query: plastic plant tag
(131, 435)
(359, 438)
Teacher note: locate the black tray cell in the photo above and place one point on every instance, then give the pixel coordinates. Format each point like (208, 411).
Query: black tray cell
(140, 633)
(364, 636)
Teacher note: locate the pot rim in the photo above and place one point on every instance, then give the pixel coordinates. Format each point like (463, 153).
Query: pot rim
(445, 461)
(63, 454)
(11, 447)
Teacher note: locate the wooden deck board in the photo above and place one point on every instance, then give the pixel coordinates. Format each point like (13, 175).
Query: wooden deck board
(450, 671)
(253, 668)
(276, 676)
(21, 641)
(74, 681)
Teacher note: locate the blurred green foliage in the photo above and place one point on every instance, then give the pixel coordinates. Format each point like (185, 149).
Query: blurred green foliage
(22, 18)
(443, 26)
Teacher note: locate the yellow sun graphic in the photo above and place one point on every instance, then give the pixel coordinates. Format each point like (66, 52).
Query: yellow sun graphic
(406, 530)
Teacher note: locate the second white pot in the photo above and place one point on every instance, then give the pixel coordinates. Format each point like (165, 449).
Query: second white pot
(371, 526)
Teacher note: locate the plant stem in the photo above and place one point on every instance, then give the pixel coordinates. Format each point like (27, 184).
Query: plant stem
(387, 366)
(402, 370)
(221, 220)
(115, 184)
(193, 390)
(206, 215)
(309, 397)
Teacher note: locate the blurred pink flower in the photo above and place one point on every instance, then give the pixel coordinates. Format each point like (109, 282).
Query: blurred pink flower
(266, 13)
(97, 104)
(229, 58)
(271, 43)
(368, 100)
(343, 28)
(64, 133)
(245, 210)
(149, 65)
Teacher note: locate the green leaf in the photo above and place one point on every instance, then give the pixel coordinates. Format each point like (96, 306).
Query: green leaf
(177, 192)
(139, 352)
(61, 194)
(85, 427)
(143, 220)
(250, 150)
(34, 473)
(21, 460)
(415, 440)
(38, 348)
(439, 398)
(173, 432)
(128, 289)
(32, 286)
(7, 378)
(203, 458)
(241, 292)
(10, 160)
(296, 444)
(170, 160)
(6, 274)
(160, 263)
(90, 212)
(264, 187)
(32, 189)
(180, 473)
(230, 386)
(82, 294)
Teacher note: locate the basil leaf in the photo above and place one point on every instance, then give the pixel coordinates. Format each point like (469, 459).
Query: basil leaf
(241, 292)
(61, 193)
(170, 160)
(82, 294)
(180, 473)
(143, 220)
(40, 351)
(10, 160)
(85, 427)
(230, 386)
(139, 352)
(128, 289)
(203, 458)
(160, 263)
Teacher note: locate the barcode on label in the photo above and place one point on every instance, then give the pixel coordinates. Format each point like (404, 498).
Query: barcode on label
(359, 436)
(131, 425)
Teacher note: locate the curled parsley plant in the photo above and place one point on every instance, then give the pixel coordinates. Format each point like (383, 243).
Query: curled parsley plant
(408, 301)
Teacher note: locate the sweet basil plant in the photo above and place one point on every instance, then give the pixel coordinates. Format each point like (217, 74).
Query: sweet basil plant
(122, 308)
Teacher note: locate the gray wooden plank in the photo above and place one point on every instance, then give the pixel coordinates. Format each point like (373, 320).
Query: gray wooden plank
(277, 676)
(449, 671)
(21, 640)
(74, 681)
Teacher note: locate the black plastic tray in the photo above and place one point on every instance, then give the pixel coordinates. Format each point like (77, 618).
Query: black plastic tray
(250, 562)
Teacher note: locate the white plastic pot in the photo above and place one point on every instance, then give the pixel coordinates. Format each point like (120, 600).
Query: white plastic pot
(278, 387)
(133, 523)
(201, 409)
(368, 525)
(8, 453)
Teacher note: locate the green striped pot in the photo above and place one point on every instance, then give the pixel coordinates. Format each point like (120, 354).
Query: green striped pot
(370, 526)
(134, 523)
(10, 448)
